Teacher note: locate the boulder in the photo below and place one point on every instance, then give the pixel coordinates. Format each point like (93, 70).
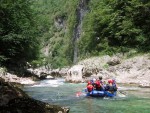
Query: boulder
(55, 73)
(75, 74)
(8, 77)
(114, 61)
(41, 72)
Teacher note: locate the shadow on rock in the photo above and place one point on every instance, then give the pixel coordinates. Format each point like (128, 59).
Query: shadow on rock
(14, 100)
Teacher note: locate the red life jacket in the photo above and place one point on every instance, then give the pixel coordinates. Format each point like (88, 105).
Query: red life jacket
(89, 88)
(98, 84)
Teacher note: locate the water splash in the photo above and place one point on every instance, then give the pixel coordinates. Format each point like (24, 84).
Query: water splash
(49, 83)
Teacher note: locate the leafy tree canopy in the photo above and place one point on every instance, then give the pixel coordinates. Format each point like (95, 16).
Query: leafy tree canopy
(18, 33)
(116, 26)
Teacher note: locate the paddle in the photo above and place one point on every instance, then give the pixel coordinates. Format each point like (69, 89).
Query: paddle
(121, 94)
(79, 93)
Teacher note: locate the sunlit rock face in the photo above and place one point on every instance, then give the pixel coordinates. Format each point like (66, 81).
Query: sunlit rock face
(14, 100)
(75, 74)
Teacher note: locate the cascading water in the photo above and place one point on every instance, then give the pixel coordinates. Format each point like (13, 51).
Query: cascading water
(81, 10)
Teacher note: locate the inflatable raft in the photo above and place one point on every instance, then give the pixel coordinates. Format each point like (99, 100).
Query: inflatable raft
(96, 93)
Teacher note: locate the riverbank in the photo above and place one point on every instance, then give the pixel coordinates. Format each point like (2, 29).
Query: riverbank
(13, 99)
(9, 77)
(134, 70)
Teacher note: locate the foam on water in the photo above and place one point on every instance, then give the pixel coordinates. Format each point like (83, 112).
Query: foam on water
(49, 83)
(128, 88)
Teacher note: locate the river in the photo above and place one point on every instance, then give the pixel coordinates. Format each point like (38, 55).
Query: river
(129, 100)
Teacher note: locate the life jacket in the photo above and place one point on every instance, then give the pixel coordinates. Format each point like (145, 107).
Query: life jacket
(93, 83)
(111, 88)
(98, 84)
(115, 87)
(101, 82)
(90, 87)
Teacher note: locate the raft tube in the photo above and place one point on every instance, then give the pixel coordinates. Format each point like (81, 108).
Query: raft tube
(96, 93)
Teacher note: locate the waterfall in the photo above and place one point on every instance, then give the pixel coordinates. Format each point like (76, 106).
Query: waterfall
(81, 10)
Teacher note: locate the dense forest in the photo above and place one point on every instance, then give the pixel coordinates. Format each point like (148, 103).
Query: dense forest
(18, 32)
(42, 31)
(114, 26)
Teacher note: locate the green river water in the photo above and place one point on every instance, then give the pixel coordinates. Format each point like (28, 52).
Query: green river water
(137, 100)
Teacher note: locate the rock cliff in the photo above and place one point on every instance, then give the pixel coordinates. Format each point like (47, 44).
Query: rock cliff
(135, 70)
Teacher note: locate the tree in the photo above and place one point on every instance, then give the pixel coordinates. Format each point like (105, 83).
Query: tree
(18, 33)
(116, 26)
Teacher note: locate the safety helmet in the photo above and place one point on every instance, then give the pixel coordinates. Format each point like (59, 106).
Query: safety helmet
(89, 82)
(110, 81)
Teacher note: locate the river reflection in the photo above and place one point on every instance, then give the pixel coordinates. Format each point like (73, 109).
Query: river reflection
(137, 100)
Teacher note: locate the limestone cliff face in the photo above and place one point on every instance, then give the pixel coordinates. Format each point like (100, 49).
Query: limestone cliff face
(14, 100)
(81, 10)
(134, 70)
(61, 41)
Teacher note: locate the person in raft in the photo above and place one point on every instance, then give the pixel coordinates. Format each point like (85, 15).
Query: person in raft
(102, 84)
(114, 83)
(96, 83)
(111, 86)
(90, 87)
(93, 81)
(99, 84)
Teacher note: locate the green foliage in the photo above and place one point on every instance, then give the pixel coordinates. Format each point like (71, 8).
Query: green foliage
(131, 53)
(18, 33)
(57, 37)
(114, 26)
(110, 26)
(105, 66)
(37, 63)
